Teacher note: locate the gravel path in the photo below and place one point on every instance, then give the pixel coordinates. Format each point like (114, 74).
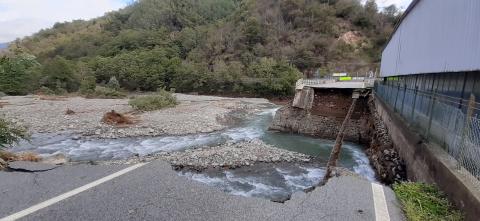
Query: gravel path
(194, 114)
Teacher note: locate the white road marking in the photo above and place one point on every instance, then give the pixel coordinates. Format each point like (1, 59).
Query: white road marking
(67, 195)
(380, 203)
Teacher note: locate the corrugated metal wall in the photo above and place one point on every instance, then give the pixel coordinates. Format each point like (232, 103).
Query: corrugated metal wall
(437, 36)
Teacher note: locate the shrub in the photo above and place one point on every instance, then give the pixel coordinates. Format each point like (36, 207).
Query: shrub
(162, 99)
(10, 134)
(106, 93)
(88, 85)
(422, 202)
(113, 84)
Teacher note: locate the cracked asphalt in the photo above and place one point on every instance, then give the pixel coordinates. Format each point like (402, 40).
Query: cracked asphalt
(156, 192)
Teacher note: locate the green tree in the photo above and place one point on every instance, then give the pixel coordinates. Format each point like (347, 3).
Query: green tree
(253, 32)
(58, 74)
(274, 77)
(16, 76)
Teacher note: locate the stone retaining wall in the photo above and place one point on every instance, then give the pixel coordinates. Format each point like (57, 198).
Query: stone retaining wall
(325, 118)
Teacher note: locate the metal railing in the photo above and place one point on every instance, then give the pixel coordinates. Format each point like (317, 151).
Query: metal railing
(312, 82)
(450, 122)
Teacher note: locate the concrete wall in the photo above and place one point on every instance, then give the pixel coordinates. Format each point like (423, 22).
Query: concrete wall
(431, 164)
(435, 36)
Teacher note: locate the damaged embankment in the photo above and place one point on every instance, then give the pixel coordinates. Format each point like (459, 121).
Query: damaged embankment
(322, 115)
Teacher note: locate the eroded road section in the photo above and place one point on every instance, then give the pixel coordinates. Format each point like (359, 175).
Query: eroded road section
(154, 191)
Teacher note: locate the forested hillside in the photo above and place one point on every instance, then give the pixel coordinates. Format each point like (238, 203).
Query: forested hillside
(257, 47)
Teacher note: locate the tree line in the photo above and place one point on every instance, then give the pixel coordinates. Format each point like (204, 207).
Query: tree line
(256, 47)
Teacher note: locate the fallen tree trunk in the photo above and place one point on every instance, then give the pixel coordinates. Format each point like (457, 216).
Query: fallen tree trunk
(332, 162)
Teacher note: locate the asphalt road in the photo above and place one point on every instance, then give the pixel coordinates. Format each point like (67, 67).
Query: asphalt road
(155, 192)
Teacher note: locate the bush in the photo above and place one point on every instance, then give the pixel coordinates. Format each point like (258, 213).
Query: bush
(106, 93)
(162, 99)
(422, 202)
(88, 85)
(113, 84)
(10, 134)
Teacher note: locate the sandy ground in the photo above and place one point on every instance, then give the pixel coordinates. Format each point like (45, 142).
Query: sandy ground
(194, 114)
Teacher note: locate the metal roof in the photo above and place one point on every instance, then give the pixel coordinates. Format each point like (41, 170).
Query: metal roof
(404, 15)
(434, 37)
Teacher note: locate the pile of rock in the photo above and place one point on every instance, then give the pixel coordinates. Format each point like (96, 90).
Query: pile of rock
(232, 156)
(385, 159)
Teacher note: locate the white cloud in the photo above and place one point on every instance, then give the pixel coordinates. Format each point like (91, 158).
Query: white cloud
(19, 18)
(403, 4)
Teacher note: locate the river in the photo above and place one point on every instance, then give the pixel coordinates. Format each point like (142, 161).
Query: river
(270, 181)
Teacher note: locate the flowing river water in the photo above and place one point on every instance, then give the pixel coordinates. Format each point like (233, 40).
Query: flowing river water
(272, 181)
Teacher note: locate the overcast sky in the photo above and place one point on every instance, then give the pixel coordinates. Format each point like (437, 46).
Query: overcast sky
(19, 18)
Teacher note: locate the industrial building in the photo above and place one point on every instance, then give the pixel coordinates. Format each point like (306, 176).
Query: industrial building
(430, 75)
(436, 46)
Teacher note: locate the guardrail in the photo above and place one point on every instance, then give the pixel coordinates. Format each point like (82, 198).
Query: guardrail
(368, 82)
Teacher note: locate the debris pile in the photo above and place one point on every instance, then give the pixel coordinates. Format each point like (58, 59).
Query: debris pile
(114, 118)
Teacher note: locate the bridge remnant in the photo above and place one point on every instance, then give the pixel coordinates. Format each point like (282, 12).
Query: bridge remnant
(332, 83)
(304, 98)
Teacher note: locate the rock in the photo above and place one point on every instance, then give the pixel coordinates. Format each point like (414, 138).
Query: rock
(232, 155)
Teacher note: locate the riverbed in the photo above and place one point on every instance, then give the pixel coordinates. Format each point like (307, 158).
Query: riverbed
(267, 180)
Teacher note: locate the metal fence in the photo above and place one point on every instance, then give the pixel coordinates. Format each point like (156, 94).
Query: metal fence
(447, 121)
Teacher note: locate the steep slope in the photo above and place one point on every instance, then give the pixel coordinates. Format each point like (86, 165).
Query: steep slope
(218, 46)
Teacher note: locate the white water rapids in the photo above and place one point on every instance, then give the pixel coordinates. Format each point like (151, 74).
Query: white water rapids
(268, 181)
